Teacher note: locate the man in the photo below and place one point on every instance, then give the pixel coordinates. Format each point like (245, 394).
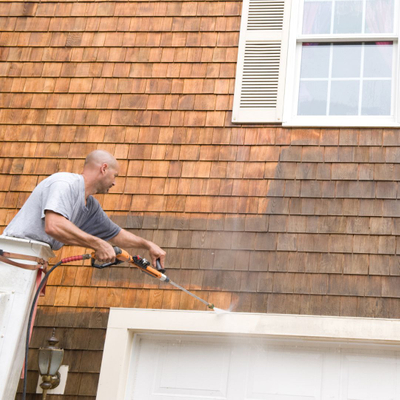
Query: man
(61, 210)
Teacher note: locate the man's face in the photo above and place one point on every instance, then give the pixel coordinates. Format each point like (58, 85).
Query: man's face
(107, 181)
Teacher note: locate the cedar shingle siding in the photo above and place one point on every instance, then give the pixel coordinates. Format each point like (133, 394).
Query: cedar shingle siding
(256, 218)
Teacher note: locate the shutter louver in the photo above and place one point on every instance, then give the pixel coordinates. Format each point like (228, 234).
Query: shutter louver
(261, 62)
(265, 14)
(260, 75)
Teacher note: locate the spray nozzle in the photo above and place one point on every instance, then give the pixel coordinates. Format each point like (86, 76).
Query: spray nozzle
(210, 306)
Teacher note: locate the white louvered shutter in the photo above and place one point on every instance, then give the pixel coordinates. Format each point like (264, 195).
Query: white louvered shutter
(261, 66)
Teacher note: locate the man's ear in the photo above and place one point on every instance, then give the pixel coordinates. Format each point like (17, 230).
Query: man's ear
(103, 168)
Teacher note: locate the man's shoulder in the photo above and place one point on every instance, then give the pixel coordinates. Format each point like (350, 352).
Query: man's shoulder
(63, 177)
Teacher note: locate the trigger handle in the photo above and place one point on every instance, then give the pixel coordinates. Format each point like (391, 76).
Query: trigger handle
(159, 267)
(105, 265)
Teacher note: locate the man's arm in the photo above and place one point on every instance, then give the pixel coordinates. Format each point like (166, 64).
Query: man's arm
(63, 230)
(127, 239)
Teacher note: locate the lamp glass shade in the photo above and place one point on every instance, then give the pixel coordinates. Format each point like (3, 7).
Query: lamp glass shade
(50, 361)
(56, 360)
(44, 361)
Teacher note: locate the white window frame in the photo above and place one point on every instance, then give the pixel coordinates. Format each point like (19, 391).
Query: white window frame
(289, 38)
(125, 324)
(296, 38)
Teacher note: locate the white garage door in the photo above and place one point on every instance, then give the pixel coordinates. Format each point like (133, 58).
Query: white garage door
(168, 367)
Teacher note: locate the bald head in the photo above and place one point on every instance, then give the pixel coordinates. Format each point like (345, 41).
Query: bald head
(99, 172)
(100, 157)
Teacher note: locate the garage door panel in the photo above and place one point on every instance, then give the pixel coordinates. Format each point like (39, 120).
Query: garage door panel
(178, 369)
(369, 377)
(280, 374)
(188, 369)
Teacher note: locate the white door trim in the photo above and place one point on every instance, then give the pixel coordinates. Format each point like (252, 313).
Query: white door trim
(124, 323)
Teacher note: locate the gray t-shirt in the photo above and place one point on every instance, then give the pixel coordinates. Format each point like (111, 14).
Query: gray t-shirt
(62, 193)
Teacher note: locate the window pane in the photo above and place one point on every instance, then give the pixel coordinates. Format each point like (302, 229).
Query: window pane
(315, 60)
(317, 17)
(348, 16)
(344, 98)
(312, 97)
(378, 60)
(346, 60)
(379, 16)
(376, 97)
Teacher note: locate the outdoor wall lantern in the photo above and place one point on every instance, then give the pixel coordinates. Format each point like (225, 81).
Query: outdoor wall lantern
(49, 360)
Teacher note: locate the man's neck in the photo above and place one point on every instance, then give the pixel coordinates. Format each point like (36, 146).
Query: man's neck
(89, 186)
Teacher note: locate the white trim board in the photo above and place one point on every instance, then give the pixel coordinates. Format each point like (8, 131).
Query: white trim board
(124, 323)
(253, 324)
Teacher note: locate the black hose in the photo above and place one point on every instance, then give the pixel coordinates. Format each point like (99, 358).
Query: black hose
(42, 283)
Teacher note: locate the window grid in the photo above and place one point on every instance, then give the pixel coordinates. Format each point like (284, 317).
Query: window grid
(332, 38)
(329, 76)
(360, 89)
(361, 78)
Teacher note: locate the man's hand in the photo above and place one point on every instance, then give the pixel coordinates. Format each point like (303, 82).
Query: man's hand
(156, 253)
(125, 239)
(104, 252)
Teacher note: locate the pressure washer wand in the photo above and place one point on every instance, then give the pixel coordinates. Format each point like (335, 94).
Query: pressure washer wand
(145, 267)
(209, 305)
